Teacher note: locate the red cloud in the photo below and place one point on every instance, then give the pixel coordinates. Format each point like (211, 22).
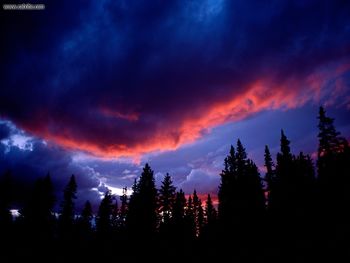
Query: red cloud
(265, 93)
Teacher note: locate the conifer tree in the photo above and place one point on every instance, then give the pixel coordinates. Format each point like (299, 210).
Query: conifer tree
(227, 187)
(66, 219)
(38, 211)
(142, 216)
(179, 211)
(166, 198)
(115, 215)
(104, 216)
(190, 219)
(86, 217)
(210, 211)
(197, 213)
(123, 208)
(281, 199)
(85, 229)
(270, 173)
(332, 166)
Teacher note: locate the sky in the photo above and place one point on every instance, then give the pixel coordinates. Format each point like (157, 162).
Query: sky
(99, 88)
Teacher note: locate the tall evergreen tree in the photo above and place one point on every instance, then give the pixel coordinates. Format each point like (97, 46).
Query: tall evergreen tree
(85, 229)
(241, 195)
(67, 217)
(166, 198)
(86, 217)
(115, 216)
(270, 172)
(123, 208)
(142, 216)
(178, 218)
(227, 187)
(190, 219)
(332, 166)
(210, 211)
(281, 198)
(241, 157)
(332, 148)
(197, 213)
(304, 194)
(330, 141)
(104, 216)
(38, 212)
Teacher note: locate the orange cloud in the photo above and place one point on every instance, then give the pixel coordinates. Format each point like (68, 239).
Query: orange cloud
(265, 93)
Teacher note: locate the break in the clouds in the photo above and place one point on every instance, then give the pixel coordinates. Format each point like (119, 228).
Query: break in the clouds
(29, 158)
(125, 78)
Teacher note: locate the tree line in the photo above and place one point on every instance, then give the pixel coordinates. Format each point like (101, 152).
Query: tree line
(297, 211)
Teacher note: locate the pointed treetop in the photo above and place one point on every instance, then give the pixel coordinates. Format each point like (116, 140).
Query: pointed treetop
(285, 148)
(241, 153)
(268, 161)
(330, 141)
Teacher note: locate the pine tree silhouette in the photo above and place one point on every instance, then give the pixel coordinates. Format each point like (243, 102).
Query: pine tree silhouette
(142, 216)
(281, 199)
(270, 171)
(104, 217)
(198, 214)
(227, 188)
(332, 164)
(190, 219)
(210, 211)
(115, 220)
(85, 222)
(67, 217)
(306, 219)
(123, 209)
(37, 214)
(178, 221)
(166, 199)
(333, 183)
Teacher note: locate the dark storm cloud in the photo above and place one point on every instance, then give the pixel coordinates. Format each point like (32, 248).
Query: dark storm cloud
(28, 164)
(118, 78)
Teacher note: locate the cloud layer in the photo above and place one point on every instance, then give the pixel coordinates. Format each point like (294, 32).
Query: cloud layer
(30, 158)
(121, 78)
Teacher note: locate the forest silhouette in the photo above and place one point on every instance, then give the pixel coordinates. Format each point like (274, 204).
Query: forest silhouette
(297, 210)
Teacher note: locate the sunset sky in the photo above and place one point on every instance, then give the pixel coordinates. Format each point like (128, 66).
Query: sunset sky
(100, 88)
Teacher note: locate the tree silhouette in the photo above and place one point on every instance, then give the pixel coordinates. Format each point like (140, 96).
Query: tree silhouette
(241, 188)
(123, 209)
(281, 199)
(85, 221)
(190, 224)
(166, 198)
(333, 188)
(305, 187)
(270, 171)
(306, 217)
(38, 212)
(197, 214)
(67, 217)
(210, 211)
(142, 216)
(104, 216)
(227, 188)
(115, 220)
(178, 218)
(332, 165)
